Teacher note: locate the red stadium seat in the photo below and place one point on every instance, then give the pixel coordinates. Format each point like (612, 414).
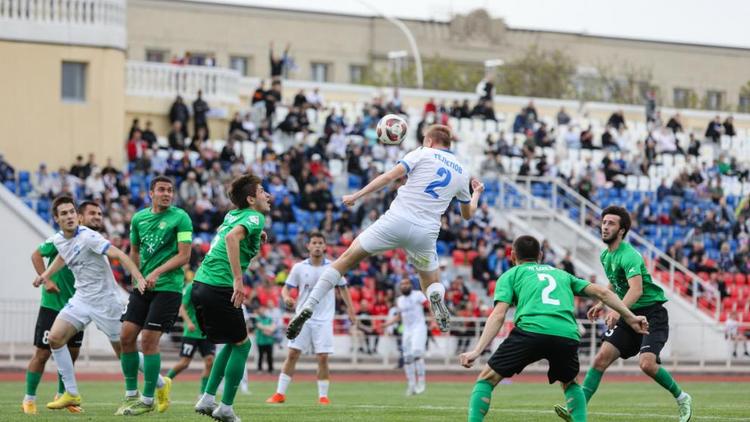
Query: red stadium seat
(459, 257)
(704, 276)
(370, 283)
(728, 278)
(473, 298)
(356, 294)
(471, 256)
(740, 279)
(265, 249)
(491, 288)
(286, 249)
(723, 316)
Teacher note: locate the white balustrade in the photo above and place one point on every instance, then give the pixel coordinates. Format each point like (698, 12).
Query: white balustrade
(167, 80)
(99, 23)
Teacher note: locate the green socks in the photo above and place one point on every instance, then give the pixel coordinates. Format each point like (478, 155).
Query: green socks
(591, 383)
(60, 384)
(664, 379)
(129, 363)
(217, 371)
(479, 403)
(151, 368)
(233, 373)
(171, 374)
(32, 382)
(204, 382)
(575, 401)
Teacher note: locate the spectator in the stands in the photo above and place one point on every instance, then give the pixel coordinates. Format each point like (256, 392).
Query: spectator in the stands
(179, 113)
(645, 213)
(694, 147)
(567, 263)
(148, 135)
(714, 129)
(315, 99)
(486, 89)
(563, 118)
(617, 120)
(176, 137)
(200, 109)
(676, 214)
(278, 63)
(587, 139)
(136, 146)
(675, 123)
(300, 99)
(530, 114)
(273, 97)
(259, 95)
(729, 127)
(80, 169)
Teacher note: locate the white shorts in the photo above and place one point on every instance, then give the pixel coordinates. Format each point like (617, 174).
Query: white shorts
(389, 233)
(316, 337)
(414, 341)
(106, 315)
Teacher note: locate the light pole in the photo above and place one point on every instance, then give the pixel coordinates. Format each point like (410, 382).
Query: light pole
(397, 58)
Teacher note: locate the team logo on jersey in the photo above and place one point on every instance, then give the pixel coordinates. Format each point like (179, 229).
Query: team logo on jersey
(162, 225)
(253, 219)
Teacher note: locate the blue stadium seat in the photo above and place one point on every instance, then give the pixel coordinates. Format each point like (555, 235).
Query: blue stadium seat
(43, 205)
(443, 248)
(278, 229)
(292, 229)
(355, 182)
(24, 176)
(10, 185)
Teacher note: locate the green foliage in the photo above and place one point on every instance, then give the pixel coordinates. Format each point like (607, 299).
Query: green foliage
(538, 73)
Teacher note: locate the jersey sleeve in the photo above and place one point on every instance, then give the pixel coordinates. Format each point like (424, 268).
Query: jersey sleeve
(464, 193)
(342, 282)
(135, 238)
(504, 288)
(421, 298)
(411, 159)
(96, 242)
(186, 294)
(254, 224)
(184, 229)
(577, 285)
(47, 249)
(631, 262)
(291, 280)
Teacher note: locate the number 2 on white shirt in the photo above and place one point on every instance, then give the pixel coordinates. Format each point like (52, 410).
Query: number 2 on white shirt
(445, 179)
(551, 286)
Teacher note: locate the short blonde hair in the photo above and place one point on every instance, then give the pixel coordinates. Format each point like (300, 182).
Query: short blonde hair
(441, 134)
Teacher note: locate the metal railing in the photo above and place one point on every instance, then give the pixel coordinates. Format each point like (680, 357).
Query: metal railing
(167, 81)
(563, 198)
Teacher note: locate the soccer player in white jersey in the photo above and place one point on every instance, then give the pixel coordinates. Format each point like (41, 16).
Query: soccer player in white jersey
(85, 252)
(317, 335)
(412, 222)
(410, 311)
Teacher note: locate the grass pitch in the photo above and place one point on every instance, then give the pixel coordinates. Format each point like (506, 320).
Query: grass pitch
(385, 401)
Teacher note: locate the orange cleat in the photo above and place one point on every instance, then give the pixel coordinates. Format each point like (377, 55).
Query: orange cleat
(276, 398)
(324, 401)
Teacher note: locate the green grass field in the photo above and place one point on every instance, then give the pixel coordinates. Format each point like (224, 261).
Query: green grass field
(385, 401)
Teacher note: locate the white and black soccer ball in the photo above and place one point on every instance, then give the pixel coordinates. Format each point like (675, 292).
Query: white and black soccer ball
(391, 129)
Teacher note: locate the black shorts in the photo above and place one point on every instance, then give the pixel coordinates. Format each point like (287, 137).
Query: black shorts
(190, 345)
(630, 343)
(523, 348)
(153, 310)
(219, 320)
(44, 322)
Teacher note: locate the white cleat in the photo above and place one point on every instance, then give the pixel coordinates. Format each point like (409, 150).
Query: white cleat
(205, 406)
(410, 390)
(419, 389)
(225, 415)
(442, 316)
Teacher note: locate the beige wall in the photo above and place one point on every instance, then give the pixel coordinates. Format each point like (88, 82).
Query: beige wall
(343, 40)
(38, 126)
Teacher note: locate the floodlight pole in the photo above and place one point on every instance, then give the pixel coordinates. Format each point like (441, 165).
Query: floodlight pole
(409, 37)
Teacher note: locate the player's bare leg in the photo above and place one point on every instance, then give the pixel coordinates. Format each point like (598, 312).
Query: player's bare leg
(435, 292)
(650, 366)
(350, 258)
(60, 334)
(285, 377)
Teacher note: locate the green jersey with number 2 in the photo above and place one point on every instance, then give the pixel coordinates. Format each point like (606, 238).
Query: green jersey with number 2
(543, 297)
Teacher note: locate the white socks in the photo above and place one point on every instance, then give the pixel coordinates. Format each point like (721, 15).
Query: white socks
(323, 388)
(325, 283)
(159, 380)
(435, 287)
(29, 398)
(284, 381)
(410, 375)
(147, 400)
(682, 396)
(65, 366)
(419, 364)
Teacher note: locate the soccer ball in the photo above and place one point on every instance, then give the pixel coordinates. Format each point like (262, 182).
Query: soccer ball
(391, 129)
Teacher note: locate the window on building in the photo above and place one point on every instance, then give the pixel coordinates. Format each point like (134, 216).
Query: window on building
(157, 56)
(240, 64)
(743, 104)
(320, 72)
(681, 97)
(73, 86)
(356, 73)
(714, 100)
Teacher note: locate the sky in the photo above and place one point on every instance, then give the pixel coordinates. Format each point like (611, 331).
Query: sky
(717, 22)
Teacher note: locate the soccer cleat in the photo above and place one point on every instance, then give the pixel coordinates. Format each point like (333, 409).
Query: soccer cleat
(205, 406)
(563, 413)
(324, 401)
(225, 415)
(276, 398)
(419, 389)
(410, 390)
(162, 395)
(64, 401)
(139, 408)
(686, 408)
(295, 325)
(442, 316)
(127, 402)
(29, 407)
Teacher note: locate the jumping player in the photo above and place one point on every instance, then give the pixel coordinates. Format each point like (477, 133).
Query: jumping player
(412, 222)
(545, 328)
(317, 335)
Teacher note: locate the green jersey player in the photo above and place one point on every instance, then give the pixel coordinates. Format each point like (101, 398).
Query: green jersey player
(545, 328)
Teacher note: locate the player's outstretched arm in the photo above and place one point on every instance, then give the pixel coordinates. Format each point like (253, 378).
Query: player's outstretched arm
(37, 260)
(233, 239)
(494, 324)
(115, 253)
(44, 277)
(186, 318)
(638, 323)
(376, 184)
(396, 318)
(347, 298)
(468, 210)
